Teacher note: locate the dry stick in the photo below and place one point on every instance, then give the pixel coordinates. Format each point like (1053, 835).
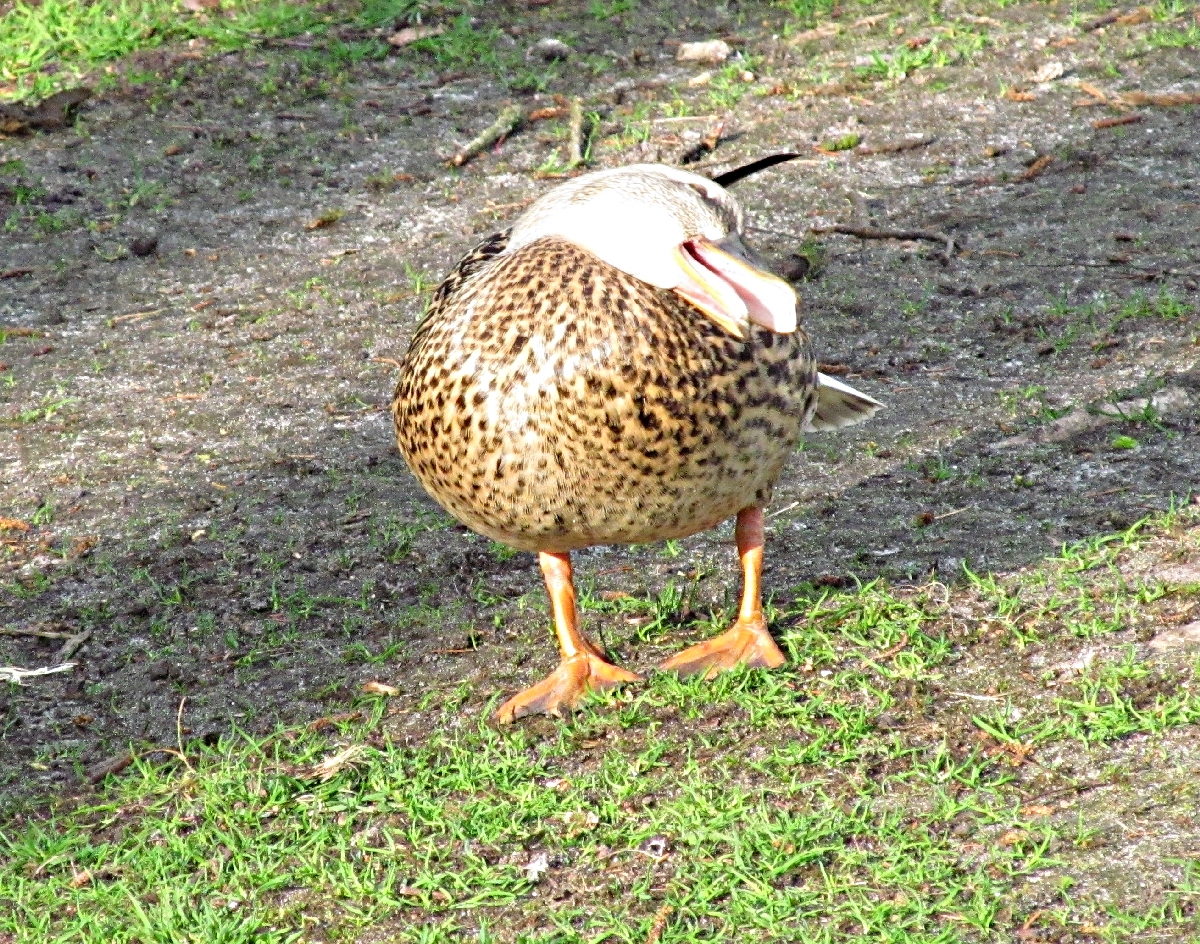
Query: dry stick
(1115, 122)
(40, 633)
(1036, 168)
(136, 316)
(894, 650)
(575, 141)
(179, 734)
(115, 765)
(868, 232)
(1162, 99)
(660, 924)
(1105, 20)
(72, 645)
(505, 124)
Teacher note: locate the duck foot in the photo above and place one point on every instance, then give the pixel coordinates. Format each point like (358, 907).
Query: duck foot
(747, 642)
(565, 687)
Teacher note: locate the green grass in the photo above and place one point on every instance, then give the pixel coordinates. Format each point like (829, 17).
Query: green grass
(73, 36)
(839, 799)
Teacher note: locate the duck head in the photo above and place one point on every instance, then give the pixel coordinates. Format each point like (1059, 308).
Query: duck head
(671, 229)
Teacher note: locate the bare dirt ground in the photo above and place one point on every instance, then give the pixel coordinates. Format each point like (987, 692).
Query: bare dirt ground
(195, 384)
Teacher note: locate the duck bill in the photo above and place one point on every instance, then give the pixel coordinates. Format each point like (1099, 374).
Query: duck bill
(722, 280)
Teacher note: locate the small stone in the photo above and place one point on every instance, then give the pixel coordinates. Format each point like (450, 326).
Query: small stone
(949, 566)
(1180, 575)
(143, 245)
(1048, 73)
(796, 267)
(159, 670)
(1177, 637)
(712, 52)
(549, 49)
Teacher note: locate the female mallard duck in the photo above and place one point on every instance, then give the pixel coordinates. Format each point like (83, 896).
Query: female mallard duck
(616, 368)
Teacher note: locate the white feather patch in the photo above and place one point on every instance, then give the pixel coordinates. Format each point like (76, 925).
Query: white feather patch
(839, 405)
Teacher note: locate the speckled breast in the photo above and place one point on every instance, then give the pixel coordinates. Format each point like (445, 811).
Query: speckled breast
(553, 402)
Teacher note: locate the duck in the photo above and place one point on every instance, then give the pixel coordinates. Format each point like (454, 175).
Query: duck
(619, 366)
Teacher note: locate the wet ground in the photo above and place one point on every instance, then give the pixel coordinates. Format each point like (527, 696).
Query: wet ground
(208, 282)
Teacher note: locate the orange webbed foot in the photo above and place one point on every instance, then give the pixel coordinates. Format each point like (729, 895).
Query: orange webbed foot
(564, 688)
(747, 642)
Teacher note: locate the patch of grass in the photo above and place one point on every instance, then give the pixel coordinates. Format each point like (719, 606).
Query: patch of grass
(461, 46)
(951, 46)
(1170, 38)
(607, 9)
(49, 407)
(1141, 305)
(44, 46)
(728, 85)
(805, 12)
(842, 798)
(846, 142)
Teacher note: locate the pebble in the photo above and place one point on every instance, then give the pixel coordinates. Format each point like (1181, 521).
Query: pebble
(143, 245)
(549, 50)
(711, 52)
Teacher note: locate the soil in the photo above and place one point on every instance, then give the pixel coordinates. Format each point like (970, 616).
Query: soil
(196, 388)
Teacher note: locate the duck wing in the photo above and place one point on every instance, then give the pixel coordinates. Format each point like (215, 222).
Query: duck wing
(839, 404)
(467, 266)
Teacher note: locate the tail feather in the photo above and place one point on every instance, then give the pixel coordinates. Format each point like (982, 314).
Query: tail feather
(839, 405)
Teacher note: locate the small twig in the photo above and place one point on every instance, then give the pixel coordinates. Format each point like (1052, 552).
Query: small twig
(1161, 99)
(39, 633)
(14, 674)
(115, 765)
(868, 232)
(782, 510)
(387, 360)
(1036, 168)
(135, 316)
(888, 653)
(1092, 25)
(179, 734)
(542, 114)
(1116, 122)
(72, 645)
(575, 141)
(509, 119)
(950, 514)
(660, 924)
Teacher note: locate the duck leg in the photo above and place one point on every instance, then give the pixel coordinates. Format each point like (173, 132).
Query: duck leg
(747, 641)
(583, 667)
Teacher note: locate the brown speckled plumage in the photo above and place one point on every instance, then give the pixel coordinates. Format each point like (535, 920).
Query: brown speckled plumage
(551, 402)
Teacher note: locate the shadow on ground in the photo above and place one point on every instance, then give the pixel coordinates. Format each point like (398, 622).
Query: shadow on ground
(199, 444)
